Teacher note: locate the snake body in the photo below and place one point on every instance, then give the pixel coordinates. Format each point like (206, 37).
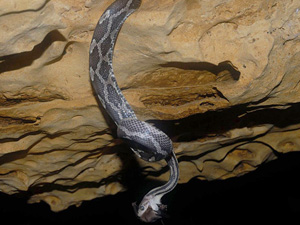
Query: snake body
(148, 142)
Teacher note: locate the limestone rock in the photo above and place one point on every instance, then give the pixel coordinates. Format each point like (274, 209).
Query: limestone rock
(24, 24)
(219, 77)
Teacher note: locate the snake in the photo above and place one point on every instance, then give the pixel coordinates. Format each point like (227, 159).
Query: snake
(145, 140)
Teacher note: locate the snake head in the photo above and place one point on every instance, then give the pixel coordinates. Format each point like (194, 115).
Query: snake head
(148, 142)
(149, 210)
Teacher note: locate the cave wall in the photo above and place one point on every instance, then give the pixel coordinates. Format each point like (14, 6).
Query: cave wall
(221, 78)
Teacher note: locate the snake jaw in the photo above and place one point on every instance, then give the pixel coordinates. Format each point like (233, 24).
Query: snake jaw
(148, 142)
(148, 215)
(150, 209)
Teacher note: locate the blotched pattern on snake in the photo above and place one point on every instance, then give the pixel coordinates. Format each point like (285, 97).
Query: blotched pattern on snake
(148, 142)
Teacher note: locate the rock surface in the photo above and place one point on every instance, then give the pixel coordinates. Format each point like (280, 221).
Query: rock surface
(221, 78)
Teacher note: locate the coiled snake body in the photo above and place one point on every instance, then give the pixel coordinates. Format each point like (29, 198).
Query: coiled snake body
(148, 142)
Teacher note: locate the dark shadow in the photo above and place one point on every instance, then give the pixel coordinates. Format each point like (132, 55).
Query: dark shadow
(26, 10)
(49, 187)
(129, 175)
(215, 123)
(9, 157)
(263, 192)
(207, 125)
(273, 189)
(24, 59)
(60, 56)
(205, 66)
(13, 156)
(6, 121)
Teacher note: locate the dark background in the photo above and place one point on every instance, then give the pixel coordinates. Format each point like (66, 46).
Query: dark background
(268, 195)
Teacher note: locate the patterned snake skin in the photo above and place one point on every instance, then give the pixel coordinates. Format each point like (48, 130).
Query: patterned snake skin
(148, 142)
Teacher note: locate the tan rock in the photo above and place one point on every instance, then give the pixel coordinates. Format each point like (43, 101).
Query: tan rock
(220, 78)
(24, 24)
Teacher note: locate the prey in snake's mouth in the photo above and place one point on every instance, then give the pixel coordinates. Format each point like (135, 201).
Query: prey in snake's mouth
(147, 141)
(141, 151)
(148, 214)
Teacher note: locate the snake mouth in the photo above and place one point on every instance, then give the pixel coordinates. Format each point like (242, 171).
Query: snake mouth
(143, 152)
(148, 142)
(135, 208)
(150, 215)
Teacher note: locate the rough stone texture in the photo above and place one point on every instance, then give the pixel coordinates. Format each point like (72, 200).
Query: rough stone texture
(221, 78)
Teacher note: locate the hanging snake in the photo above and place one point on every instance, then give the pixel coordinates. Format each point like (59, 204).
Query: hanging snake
(145, 140)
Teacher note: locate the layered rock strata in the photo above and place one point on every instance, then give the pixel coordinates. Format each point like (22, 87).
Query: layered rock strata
(221, 78)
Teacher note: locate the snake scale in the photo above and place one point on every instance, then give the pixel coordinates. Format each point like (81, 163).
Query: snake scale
(148, 142)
